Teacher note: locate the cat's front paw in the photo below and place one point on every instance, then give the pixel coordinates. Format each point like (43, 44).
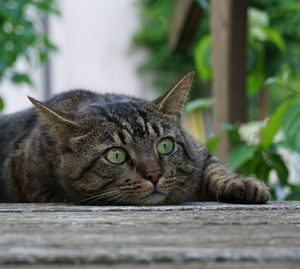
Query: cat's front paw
(243, 190)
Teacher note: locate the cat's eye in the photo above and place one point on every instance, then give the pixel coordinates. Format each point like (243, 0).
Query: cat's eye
(116, 155)
(165, 146)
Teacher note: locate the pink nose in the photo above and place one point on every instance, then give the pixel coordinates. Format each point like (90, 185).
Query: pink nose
(153, 176)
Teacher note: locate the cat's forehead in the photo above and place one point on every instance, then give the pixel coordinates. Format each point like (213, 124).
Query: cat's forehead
(132, 121)
(139, 119)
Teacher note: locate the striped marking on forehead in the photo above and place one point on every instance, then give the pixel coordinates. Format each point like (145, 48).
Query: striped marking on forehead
(149, 126)
(134, 123)
(140, 124)
(156, 129)
(123, 137)
(120, 123)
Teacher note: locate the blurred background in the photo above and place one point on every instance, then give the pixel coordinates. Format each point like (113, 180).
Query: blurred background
(63, 45)
(245, 101)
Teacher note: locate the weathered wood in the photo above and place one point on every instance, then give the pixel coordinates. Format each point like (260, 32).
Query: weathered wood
(209, 234)
(193, 265)
(229, 31)
(184, 24)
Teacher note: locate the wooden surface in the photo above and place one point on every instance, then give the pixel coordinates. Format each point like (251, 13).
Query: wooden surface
(229, 32)
(208, 234)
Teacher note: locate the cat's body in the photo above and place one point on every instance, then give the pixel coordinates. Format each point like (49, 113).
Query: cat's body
(112, 149)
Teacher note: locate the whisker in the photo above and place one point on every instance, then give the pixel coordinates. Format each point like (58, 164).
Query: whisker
(108, 192)
(104, 199)
(121, 199)
(107, 200)
(178, 191)
(197, 168)
(115, 199)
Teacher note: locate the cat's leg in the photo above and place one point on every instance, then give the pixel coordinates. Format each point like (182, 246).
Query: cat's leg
(219, 184)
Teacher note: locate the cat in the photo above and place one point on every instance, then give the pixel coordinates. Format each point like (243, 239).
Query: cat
(103, 149)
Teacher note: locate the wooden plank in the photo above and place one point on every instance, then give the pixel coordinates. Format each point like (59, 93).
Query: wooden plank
(193, 265)
(184, 24)
(229, 28)
(205, 234)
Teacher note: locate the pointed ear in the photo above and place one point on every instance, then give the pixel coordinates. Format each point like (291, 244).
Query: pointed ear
(173, 101)
(57, 122)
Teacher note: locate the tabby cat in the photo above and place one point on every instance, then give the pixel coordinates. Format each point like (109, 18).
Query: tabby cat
(89, 148)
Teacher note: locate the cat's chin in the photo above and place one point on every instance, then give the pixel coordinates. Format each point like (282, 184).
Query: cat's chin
(155, 199)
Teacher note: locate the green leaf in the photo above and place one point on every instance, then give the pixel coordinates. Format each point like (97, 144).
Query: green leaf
(21, 78)
(202, 55)
(256, 60)
(233, 132)
(240, 155)
(274, 123)
(283, 83)
(263, 171)
(275, 38)
(49, 44)
(295, 193)
(251, 167)
(43, 56)
(200, 103)
(280, 168)
(291, 125)
(212, 143)
(1, 103)
(254, 82)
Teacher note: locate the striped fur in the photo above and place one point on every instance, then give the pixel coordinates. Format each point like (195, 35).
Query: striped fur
(55, 152)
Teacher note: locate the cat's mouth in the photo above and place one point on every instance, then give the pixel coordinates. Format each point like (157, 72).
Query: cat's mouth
(155, 192)
(155, 197)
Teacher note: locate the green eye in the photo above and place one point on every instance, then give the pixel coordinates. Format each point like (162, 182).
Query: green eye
(165, 146)
(116, 155)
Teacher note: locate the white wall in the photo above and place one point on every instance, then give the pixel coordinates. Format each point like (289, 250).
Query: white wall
(15, 96)
(93, 37)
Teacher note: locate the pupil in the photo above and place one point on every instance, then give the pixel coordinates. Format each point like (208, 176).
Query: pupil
(117, 155)
(165, 145)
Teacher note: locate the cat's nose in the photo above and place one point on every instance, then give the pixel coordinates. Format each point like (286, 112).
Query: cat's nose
(153, 176)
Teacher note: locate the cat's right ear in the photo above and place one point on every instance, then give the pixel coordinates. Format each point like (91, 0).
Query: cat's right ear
(58, 122)
(172, 102)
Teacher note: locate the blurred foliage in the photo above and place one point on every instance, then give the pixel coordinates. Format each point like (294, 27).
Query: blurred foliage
(22, 37)
(274, 35)
(252, 158)
(263, 154)
(273, 38)
(161, 64)
(273, 64)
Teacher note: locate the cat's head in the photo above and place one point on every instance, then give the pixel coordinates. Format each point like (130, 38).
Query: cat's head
(123, 151)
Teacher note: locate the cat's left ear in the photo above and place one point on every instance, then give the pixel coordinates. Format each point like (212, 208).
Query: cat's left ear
(172, 102)
(58, 123)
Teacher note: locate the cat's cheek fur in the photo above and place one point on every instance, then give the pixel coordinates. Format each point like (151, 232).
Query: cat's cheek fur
(139, 193)
(71, 165)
